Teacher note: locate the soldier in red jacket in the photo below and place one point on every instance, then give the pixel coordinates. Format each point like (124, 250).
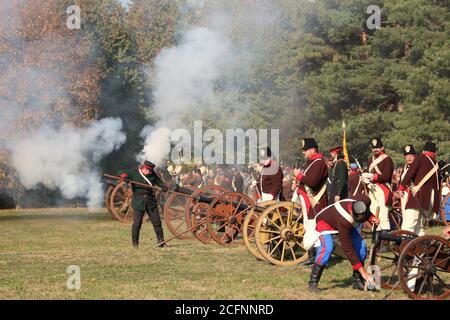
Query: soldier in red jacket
(340, 218)
(355, 185)
(271, 182)
(311, 192)
(422, 185)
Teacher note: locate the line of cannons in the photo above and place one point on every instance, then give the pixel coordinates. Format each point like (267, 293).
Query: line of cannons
(273, 231)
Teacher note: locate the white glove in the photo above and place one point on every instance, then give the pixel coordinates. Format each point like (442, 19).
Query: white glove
(366, 181)
(366, 175)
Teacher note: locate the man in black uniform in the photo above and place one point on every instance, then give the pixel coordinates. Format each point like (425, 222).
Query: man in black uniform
(144, 200)
(338, 176)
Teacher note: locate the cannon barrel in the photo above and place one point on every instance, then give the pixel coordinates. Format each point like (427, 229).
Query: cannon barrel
(397, 239)
(209, 200)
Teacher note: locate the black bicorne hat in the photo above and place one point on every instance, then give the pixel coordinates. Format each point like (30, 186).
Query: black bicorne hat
(409, 149)
(376, 143)
(430, 146)
(308, 143)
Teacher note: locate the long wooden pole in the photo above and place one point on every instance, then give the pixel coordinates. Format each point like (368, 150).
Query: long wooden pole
(179, 234)
(374, 238)
(146, 185)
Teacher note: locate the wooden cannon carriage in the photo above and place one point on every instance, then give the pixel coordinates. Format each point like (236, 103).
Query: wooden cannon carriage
(418, 265)
(228, 218)
(273, 231)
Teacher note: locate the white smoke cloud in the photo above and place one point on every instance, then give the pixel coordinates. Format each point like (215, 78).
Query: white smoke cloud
(184, 81)
(67, 158)
(36, 108)
(156, 144)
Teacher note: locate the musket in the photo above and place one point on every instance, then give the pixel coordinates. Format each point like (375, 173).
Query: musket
(357, 163)
(371, 186)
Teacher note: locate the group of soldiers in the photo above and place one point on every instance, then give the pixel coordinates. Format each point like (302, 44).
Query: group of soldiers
(333, 199)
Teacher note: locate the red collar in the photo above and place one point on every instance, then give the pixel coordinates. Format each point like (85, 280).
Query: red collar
(381, 153)
(316, 156)
(429, 153)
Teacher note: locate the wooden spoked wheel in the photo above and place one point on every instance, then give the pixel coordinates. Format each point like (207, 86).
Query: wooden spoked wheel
(279, 234)
(196, 212)
(120, 203)
(386, 255)
(108, 197)
(248, 230)
(395, 218)
(445, 203)
(225, 217)
(175, 214)
(161, 199)
(424, 268)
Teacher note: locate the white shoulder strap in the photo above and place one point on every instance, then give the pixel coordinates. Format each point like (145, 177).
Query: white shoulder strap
(416, 189)
(145, 178)
(357, 186)
(344, 212)
(311, 165)
(376, 162)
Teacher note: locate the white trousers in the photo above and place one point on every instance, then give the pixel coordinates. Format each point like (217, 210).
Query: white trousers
(377, 199)
(413, 221)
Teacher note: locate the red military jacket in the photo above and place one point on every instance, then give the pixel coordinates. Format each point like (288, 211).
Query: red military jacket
(383, 176)
(355, 185)
(315, 177)
(330, 219)
(416, 172)
(272, 183)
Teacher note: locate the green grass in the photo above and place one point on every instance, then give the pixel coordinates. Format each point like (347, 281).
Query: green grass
(37, 246)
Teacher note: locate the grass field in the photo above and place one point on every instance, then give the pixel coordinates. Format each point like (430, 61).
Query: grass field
(37, 246)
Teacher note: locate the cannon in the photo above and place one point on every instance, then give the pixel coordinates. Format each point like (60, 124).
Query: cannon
(227, 218)
(208, 212)
(420, 265)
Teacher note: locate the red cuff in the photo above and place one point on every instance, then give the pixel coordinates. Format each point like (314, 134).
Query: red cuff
(401, 188)
(375, 177)
(299, 176)
(123, 175)
(371, 218)
(357, 266)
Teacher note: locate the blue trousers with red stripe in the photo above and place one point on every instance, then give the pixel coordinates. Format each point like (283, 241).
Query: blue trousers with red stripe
(326, 247)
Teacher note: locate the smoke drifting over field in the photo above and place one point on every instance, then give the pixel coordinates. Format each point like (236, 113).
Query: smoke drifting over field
(51, 140)
(66, 159)
(206, 70)
(183, 83)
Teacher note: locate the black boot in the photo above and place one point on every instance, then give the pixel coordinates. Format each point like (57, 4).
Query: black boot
(135, 237)
(311, 257)
(358, 281)
(160, 239)
(316, 273)
(161, 243)
(159, 234)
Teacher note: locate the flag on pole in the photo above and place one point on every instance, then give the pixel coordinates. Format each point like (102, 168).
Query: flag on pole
(344, 145)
